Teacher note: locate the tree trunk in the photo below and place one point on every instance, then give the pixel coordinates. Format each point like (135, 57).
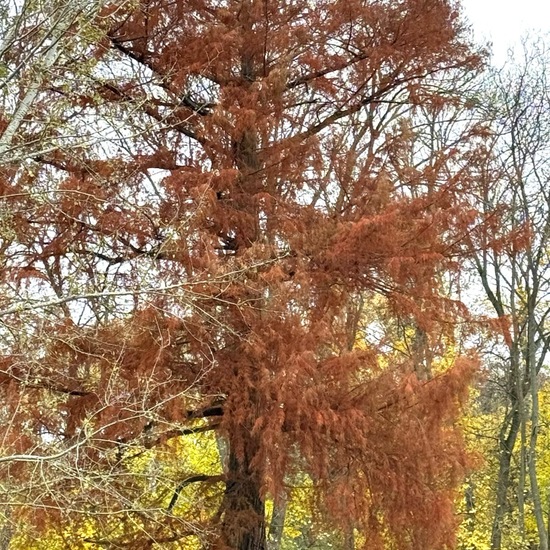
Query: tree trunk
(532, 457)
(507, 442)
(243, 525)
(277, 524)
(470, 506)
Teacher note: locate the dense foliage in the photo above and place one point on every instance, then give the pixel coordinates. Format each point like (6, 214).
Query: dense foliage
(233, 241)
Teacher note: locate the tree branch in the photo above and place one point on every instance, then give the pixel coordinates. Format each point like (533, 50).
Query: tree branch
(192, 479)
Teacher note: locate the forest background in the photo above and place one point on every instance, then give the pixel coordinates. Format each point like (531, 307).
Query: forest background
(274, 275)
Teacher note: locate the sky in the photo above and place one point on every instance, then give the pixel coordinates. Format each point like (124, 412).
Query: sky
(504, 21)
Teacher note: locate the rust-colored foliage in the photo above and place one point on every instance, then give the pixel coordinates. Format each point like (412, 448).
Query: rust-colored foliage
(203, 262)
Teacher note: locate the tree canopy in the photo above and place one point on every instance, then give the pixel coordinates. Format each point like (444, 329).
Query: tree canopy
(217, 221)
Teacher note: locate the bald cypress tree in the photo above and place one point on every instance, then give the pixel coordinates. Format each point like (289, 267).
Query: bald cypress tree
(202, 268)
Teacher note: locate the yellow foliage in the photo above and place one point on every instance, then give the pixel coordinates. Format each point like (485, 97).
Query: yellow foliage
(155, 474)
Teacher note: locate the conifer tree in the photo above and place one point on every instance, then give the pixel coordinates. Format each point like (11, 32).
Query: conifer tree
(200, 270)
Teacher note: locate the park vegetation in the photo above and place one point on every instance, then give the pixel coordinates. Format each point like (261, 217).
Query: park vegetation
(273, 276)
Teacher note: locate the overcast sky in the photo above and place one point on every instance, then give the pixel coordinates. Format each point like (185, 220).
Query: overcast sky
(504, 21)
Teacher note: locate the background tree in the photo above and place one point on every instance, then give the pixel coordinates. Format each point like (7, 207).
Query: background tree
(43, 48)
(510, 258)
